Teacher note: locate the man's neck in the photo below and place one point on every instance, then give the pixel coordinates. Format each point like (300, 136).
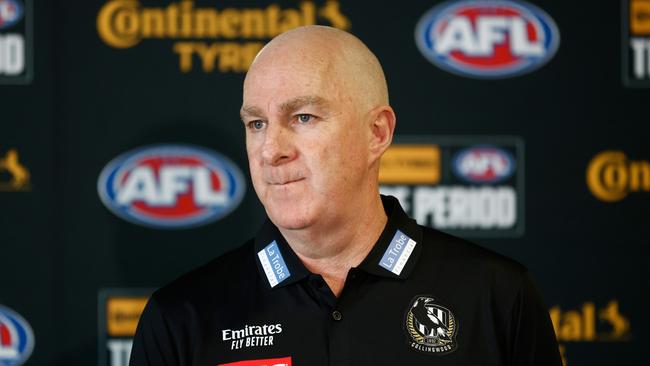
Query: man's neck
(332, 251)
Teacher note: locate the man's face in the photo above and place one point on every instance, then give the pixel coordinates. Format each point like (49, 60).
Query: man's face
(306, 140)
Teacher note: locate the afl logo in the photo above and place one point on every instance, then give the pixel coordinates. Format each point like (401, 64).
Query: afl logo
(431, 328)
(483, 164)
(487, 39)
(171, 186)
(16, 338)
(11, 12)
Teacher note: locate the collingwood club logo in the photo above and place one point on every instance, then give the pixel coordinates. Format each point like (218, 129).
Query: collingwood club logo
(431, 328)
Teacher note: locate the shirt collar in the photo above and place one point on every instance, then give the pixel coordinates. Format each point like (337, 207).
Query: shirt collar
(394, 255)
(398, 248)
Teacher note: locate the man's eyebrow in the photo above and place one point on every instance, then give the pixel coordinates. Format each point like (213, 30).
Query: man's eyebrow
(248, 110)
(288, 106)
(296, 103)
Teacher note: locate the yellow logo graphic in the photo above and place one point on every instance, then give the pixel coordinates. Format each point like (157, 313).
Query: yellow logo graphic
(122, 315)
(10, 164)
(582, 325)
(410, 164)
(640, 17)
(589, 324)
(125, 23)
(610, 176)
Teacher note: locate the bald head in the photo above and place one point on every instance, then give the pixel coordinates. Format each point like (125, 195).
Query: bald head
(330, 54)
(315, 108)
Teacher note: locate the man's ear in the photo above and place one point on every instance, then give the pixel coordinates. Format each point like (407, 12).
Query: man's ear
(382, 127)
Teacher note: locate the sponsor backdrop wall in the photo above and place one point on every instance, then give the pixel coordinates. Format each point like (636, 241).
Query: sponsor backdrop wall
(521, 125)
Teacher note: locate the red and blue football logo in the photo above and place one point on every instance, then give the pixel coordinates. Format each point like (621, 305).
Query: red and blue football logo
(11, 12)
(483, 165)
(171, 186)
(487, 39)
(16, 338)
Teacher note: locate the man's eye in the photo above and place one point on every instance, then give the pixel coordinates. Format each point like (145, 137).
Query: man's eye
(304, 118)
(256, 125)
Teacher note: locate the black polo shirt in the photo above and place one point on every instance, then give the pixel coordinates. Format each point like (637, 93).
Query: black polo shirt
(420, 297)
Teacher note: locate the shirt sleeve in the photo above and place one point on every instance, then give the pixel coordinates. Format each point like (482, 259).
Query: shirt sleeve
(154, 343)
(532, 339)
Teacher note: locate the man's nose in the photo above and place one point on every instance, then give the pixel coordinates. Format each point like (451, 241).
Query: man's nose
(278, 146)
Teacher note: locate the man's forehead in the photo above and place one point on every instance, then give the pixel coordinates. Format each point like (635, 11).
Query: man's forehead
(285, 72)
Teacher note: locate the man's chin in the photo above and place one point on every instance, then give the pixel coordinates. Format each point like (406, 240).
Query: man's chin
(290, 223)
(290, 218)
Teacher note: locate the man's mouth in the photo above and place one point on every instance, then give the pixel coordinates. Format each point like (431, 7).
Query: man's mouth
(284, 183)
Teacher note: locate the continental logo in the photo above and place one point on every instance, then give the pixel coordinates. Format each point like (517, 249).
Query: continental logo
(224, 39)
(410, 164)
(589, 323)
(14, 176)
(611, 176)
(122, 315)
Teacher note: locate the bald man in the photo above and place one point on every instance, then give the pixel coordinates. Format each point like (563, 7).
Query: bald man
(338, 275)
